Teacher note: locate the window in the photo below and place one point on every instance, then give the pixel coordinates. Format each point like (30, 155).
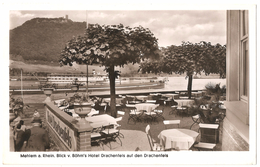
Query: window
(244, 57)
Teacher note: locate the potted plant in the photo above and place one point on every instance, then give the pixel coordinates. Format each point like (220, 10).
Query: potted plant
(82, 104)
(48, 89)
(212, 88)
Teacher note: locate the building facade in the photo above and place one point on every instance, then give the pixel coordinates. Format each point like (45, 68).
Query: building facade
(236, 125)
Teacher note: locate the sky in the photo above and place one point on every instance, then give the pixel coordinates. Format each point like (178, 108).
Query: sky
(171, 27)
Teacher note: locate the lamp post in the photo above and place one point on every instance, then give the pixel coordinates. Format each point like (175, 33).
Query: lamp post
(87, 64)
(87, 84)
(22, 82)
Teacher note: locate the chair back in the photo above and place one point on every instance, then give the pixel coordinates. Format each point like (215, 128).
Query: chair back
(148, 133)
(121, 112)
(171, 122)
(97, 127)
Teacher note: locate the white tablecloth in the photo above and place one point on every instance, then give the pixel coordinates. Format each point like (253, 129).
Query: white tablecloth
(178, 138)
(146, 106)
(107, 119)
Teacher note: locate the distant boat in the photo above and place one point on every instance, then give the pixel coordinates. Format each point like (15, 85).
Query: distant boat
(69, 78)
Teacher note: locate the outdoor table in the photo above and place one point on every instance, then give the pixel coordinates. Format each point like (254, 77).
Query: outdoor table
(196, 94)
(107, 119)
(130, 96)
(74, 115)
(155, 94)
(134, 102)
(146, 106)
(169, 95)
(182, 139)
(108, 100)
(143, 98)
(184, 102)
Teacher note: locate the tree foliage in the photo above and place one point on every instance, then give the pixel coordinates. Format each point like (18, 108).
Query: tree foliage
(110, 46)
(189, 58)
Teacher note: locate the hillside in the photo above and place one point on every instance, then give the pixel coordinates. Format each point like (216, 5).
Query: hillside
(42, 39)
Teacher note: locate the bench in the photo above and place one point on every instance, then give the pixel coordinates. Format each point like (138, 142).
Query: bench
(202, 145)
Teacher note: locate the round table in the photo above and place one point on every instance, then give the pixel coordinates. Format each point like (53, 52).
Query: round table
(182, 139)
(143, 98)
(146, 106)
(185, 102)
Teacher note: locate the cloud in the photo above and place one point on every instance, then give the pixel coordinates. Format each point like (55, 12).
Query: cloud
(169, 26)
(20, 14)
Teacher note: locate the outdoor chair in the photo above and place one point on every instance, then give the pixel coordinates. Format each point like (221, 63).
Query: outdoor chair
(120, 119)
(159, 114)
(111, 132)
(150, 116)
(171, 122)
(96, 136)
(135, 115)
(160, 102)
(100, 107)
(196, 120)
(181, 110)
(173, 110)
(153, 145)
(129, 98)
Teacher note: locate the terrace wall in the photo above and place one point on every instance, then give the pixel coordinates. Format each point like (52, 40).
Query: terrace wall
(65, 131)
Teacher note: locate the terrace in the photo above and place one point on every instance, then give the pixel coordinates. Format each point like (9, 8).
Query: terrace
(133, 130)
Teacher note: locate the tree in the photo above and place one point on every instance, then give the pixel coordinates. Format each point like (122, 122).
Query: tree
(110, 46)
(190, 59)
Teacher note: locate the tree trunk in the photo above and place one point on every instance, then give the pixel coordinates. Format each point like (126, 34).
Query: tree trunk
(189, 86)
(112, 91)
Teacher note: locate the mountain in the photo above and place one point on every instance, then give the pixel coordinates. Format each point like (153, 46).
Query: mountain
(42, 39)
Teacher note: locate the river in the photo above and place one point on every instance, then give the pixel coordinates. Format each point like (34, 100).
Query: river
(180, 83)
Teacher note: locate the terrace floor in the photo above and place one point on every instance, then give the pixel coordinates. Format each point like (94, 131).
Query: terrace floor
(135, 136)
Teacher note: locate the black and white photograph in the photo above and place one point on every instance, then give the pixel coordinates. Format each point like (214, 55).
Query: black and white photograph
(129, 85)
